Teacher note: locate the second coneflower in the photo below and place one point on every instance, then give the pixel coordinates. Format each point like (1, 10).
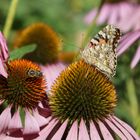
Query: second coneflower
(83, 98)
(82, 102)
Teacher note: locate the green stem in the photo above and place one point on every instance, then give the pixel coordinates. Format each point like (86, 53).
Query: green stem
(133, 103)
(10, 18)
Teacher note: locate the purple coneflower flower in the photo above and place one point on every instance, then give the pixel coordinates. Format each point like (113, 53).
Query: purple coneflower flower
(22, 89)
(82, 102)
(125, 15)
(126, 42)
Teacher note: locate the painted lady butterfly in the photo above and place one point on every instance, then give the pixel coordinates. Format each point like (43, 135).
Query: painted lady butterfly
(101, 51)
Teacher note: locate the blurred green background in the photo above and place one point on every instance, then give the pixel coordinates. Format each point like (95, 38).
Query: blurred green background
(66, 17)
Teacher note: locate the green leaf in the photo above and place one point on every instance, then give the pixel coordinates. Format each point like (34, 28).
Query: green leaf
(20, 52)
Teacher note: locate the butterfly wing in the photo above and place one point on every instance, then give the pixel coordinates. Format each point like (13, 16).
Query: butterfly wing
(101, 51)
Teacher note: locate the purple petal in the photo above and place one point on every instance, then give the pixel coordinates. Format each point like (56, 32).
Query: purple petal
(5, 118)
(15, 122)
(73, 132)
(51, 72)
(46, 131)
(40, 119)
(3, 48)
(125, 128)
(127, 42)
(3, 55)
(106, 134)
(104, 14)
(135, 18)
(93, 132)
(2, 69)
(136, 58)
(123, 24)
(116, 130)
(58, 135)
(129, 8)
(113, 18)
(83, 133)
(31, 125)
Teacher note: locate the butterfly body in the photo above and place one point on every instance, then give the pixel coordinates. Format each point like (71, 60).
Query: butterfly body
(101, 51)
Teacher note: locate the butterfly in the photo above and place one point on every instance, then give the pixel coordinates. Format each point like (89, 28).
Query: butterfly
(101, 51)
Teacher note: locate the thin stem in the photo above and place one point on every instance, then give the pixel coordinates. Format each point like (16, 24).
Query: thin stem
(10, 18)
(133, 103)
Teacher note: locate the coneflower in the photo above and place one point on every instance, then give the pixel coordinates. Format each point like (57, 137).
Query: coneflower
(112, 12)
(47, 41)
(83, 98)
(82, 101)
(22, 93)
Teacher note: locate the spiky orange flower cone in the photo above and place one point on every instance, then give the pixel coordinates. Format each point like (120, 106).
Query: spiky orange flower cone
(48, 43)
(22, 91)
(25, 85)
(82, 101)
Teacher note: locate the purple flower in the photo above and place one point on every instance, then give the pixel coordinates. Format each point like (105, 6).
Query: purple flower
(114, 13)
(82, 100)
(126, 42)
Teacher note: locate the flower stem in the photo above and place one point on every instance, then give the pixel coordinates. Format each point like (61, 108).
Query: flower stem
(133, 103)
(10, 18)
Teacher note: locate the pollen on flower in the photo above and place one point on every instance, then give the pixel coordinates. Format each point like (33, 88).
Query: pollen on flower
(25, 85)
(47, 41)
(82, 91)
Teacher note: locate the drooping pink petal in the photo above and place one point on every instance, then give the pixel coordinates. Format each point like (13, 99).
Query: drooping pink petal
(15, 122)
(129, 7)
(93, 132)
(116, 130)
(5, 118)
(73, 132)
(51, 72)
(113, 18)
(3, 55)
(43, 134)
(134, 19)
(104, 14)
(3, 48)
(136, 58)
(83, 133)
(2, 69)
(125, 128)
(40, 119)
(105, 132)
(127, 42)
(125, 22)
(31, 125)
(58, 135)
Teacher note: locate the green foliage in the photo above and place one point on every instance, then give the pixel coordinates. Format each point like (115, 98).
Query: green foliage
(20, 52)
